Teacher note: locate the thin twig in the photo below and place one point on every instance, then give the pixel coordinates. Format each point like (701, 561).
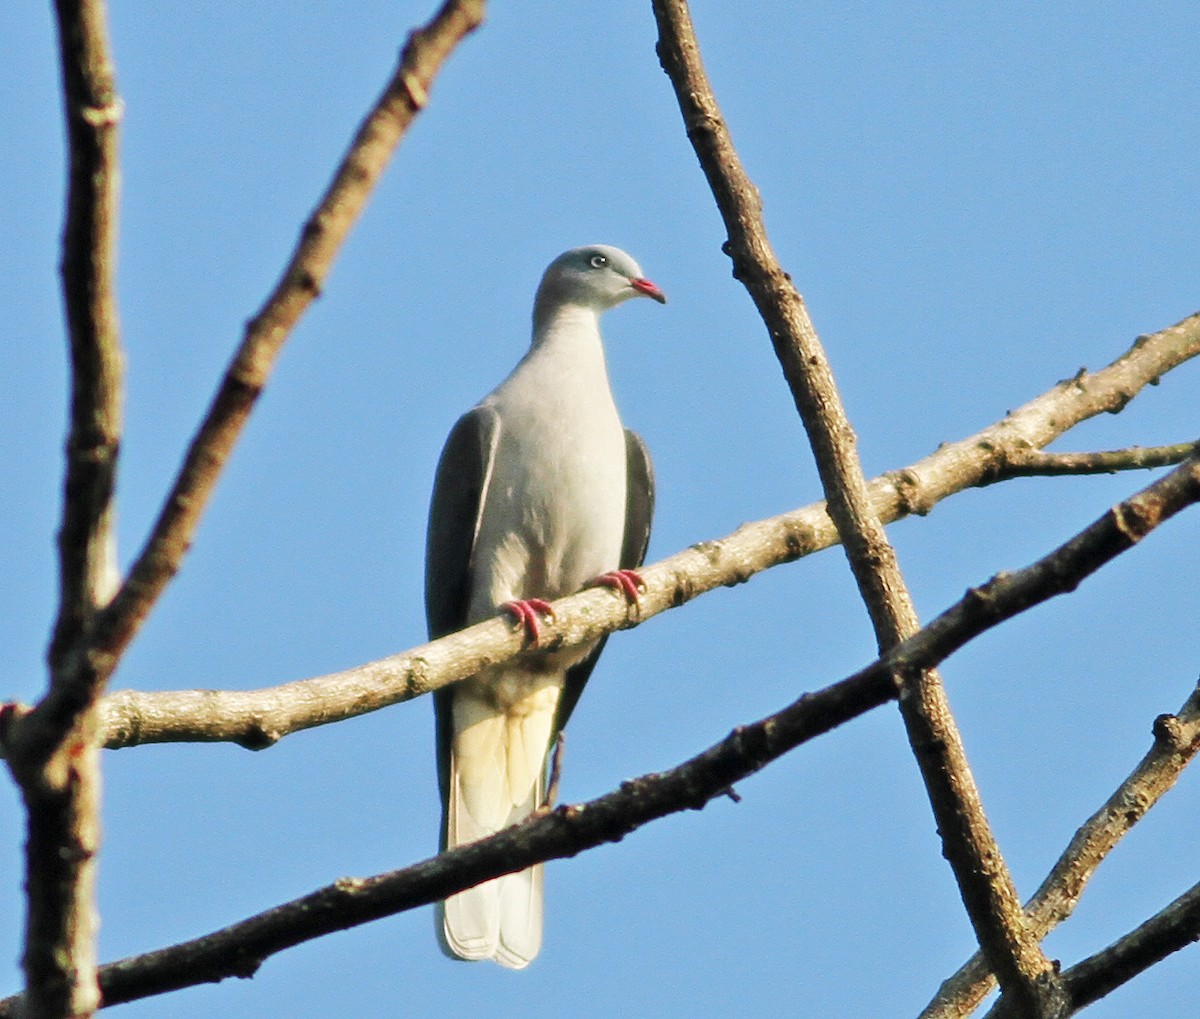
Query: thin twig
(985, 884)
(1176, 743)
(1032, 463)
(238, 950)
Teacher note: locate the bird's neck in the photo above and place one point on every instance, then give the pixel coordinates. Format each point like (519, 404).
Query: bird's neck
(567, 343)
(552, 319)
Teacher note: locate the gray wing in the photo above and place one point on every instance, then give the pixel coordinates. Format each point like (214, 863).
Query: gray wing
(456, 508)
(639, 511)
(639, 501)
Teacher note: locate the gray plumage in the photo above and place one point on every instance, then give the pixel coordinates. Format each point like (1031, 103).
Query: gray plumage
(539, 489)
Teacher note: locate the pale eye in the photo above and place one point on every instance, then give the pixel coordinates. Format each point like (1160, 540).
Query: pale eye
(598, 261)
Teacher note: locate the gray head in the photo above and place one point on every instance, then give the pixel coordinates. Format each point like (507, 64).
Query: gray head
(597, 276)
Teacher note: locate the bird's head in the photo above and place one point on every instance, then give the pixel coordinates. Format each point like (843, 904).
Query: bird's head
(597, 276)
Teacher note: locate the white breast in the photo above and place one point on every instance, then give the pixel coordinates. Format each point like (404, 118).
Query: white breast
(554, 511)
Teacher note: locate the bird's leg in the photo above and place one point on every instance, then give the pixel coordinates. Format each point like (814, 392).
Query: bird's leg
(628, 582)
(526, 612)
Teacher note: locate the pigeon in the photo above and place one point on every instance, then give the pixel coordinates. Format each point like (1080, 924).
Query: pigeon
(540, 490)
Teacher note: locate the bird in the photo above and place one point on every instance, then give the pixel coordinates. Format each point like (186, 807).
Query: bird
(539, 490)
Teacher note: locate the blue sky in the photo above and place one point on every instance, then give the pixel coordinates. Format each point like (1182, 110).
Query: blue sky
(974, 201)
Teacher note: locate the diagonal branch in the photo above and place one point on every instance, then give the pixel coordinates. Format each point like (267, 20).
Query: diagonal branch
(238, 950)
(1176, 744)
(984, 882)
(258, 718)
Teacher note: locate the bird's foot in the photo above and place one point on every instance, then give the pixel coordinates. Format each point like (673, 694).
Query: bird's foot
(628, 582)
(527, 613)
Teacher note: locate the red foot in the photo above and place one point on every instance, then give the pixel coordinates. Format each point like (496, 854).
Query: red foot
(526, 612)
(628, 582)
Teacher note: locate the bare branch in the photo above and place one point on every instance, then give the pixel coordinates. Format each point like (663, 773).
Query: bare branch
(986, 886)
(258, 718)
(93, 112)
(238, 950)
(1176, 743)
(60, 777)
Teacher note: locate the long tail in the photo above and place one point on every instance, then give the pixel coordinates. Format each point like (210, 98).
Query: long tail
(497, 778)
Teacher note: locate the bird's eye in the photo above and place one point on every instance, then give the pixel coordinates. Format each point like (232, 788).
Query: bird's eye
(598, 261)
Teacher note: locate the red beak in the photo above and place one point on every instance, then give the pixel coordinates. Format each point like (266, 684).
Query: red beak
(644, 286)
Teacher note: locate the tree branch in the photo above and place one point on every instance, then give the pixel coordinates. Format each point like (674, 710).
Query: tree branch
(258, 718)
(984, 882)
(92, 110)
(238, 950)
(59, 778)
(1032, 463)
(1176, 743)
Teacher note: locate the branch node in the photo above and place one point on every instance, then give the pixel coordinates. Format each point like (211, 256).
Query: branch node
(259, 736)
(1132, 520)
(107, 115)
(417, 94)
(306, 280)
(798, 540)
(910, 492)
(1122, 397)
(1168, 731)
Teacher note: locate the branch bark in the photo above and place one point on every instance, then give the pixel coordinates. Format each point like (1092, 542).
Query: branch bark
(239, 949)
(987, 889)
(258, 718)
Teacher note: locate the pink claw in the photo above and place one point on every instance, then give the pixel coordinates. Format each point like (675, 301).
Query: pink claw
(628, 582)
(526, 612)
